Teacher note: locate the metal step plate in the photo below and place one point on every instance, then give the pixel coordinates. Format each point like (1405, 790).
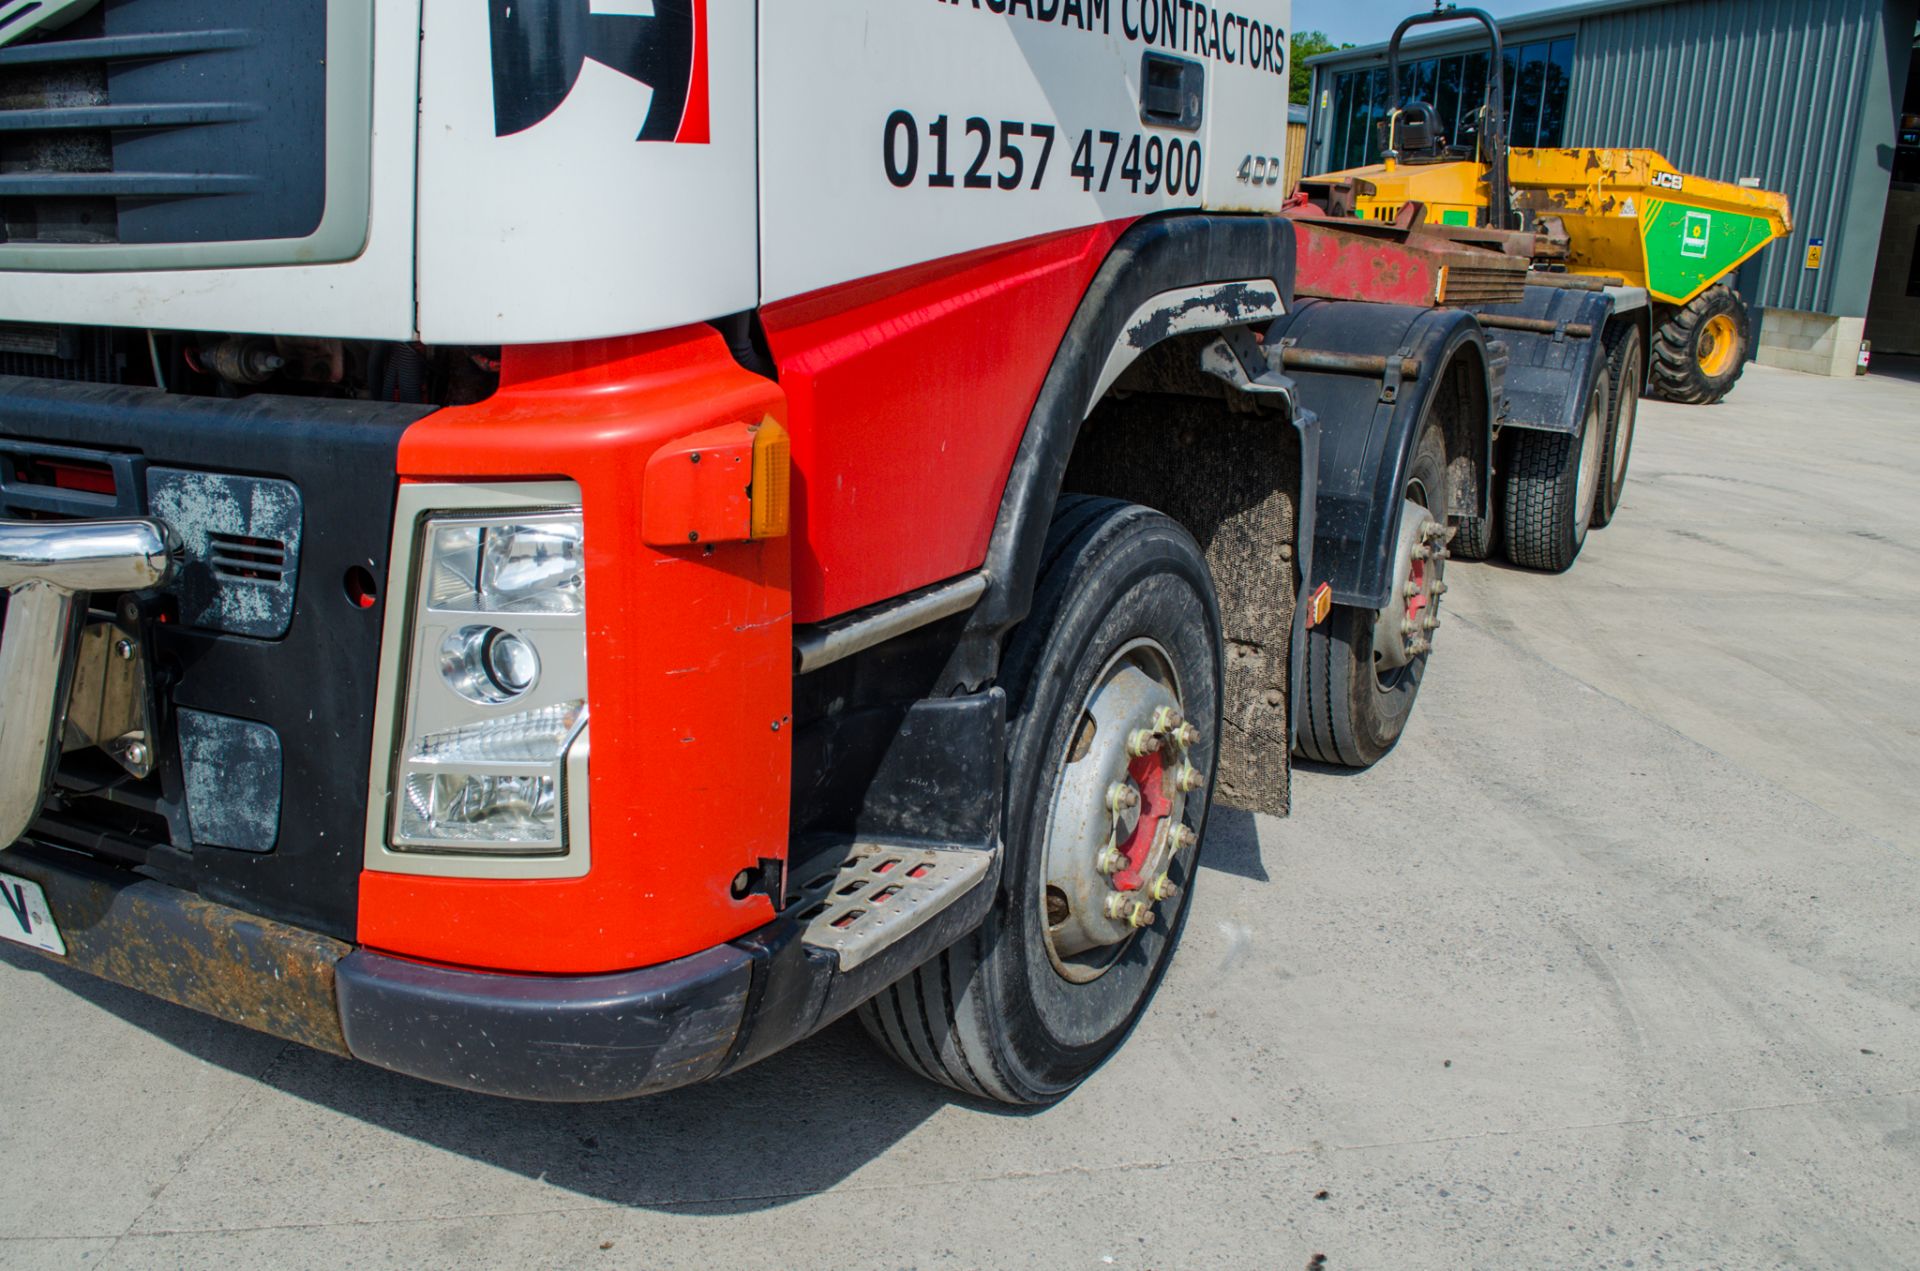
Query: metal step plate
(881, 893)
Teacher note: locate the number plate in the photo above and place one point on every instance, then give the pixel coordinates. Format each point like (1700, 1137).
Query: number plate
(24, 918)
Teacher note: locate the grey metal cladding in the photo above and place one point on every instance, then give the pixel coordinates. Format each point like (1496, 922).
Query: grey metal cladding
(242, 541)
(1792, 92)
(232, 769)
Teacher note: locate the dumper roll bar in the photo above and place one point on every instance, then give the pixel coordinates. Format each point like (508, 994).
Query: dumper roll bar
(1499, 197)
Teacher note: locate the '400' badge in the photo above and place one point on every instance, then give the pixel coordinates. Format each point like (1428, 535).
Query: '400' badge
(540, 46)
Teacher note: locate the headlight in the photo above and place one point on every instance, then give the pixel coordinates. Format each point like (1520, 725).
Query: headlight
(530, 565)
(497, 693)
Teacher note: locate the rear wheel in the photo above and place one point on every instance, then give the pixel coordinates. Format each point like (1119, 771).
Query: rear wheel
(1700, 348)
(1553, 483)
(1475, 540)
(1363, 668)
(1113, 685)
(1626, 373)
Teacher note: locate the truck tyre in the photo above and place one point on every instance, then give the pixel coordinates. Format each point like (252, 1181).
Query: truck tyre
(1553, 484)
(1475, 540)
(1363, 668)
(1113, 685)
(1626, 377)
(1700, 348)
(1479, 536)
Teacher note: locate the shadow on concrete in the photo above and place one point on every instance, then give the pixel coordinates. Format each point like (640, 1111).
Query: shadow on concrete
(1233, 844)
(795, 1125)
(1327, 769)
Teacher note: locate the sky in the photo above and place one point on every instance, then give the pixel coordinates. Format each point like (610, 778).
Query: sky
(1372, 21)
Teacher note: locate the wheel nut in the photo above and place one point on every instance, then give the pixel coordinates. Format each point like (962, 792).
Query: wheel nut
(1121, 795)
(1432, 529)
(1163, 889)
(1430, 624)
(1411, 591)
(1186, 735)
(1110, 861)
(1140, 916)
(1166, 719)
(1119, 904)
(1440, 588)
(1188, 779)
(1142, 742)
(1183, 837)
(1423, 552)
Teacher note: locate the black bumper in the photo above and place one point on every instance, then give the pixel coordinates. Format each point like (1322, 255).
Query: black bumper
(574, 1039)
(571, 1039)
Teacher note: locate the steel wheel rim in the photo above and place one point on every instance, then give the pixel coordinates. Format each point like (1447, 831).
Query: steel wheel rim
(1137, 692)
(1630, 385)
(1401, 634)
(1592, 440)
(1718, 340)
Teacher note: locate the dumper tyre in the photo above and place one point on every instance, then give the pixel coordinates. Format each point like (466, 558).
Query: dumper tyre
(1627, 377)
(1553, 486)
(1357, 698)
(1124, 618)
(1700, 348)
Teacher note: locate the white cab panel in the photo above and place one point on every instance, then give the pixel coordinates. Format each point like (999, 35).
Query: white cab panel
(859, 100)
(569, 227)
(370, 296)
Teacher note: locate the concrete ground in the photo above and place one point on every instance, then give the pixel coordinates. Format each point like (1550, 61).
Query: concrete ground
(1615, 963)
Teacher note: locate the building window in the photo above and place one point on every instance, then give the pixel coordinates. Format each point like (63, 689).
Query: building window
(1538, 79)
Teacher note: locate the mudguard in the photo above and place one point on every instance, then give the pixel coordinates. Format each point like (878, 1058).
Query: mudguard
(1153, 258)
(1370, 426)
(1548, 375)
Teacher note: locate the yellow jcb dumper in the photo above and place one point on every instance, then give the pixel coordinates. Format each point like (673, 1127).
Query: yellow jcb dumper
(1626, 216)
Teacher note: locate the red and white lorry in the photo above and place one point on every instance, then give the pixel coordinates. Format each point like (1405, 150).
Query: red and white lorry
(560, 546)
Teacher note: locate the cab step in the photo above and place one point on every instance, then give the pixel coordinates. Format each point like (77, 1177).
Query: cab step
(881, 893)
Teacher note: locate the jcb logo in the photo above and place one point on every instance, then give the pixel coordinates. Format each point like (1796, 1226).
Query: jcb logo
(1669, 181)
(540, 46)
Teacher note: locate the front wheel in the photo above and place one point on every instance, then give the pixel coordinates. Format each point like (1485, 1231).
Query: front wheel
(1113, 685)
(1553, 485)
(1700, 348)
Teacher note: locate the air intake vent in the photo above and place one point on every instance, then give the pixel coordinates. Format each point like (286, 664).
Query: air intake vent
(164, 121)
(242, 541)
(237, 558)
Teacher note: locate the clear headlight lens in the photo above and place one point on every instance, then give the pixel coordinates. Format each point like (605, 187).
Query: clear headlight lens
(498, 696)
(488, 665)
(530, 565)
(495, 785)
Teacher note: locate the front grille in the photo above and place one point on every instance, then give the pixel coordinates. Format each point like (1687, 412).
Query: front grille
(62, 353)
(164, 122)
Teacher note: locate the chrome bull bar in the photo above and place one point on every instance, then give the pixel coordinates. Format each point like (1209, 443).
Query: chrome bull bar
(48, 569)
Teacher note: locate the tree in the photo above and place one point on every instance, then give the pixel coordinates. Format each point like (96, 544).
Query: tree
(1308, 44)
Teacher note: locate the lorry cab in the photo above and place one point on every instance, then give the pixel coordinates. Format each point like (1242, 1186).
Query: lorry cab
(512, 515)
